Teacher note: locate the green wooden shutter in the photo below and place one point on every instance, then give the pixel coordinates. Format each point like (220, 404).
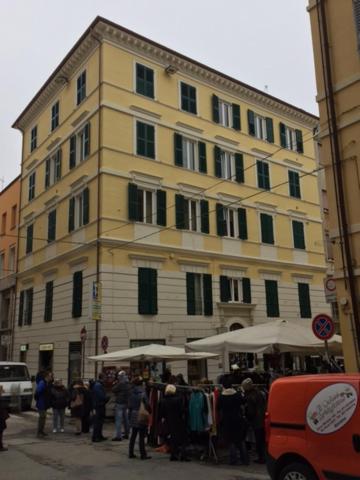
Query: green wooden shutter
(29, 238)
(147, 291)
(150, 141)
(47, 173)
(87, 140)
(269, 130)
(153, 291)
(140, 138)
(246, 286)
(267, 230)
(272, 299)
(190, 293)
(58, 161)
(21, 308)
(299, 141)
(251, 122)
(202, 157)
(215, 109)
(298, 234)
(72, 155)
(263, 175)
(179, 211)
(239, 167)
(217, 160)
(178, 149)
(29, 311)
(220, 221)
(77, 294)
(85, 200)
(225, 295)
(236, 117)
(304, 300)
(243, 233)
(294, 184)
(71, 214)
(204, 213)
(133, 206)
(48, 301)
(282, 129)
(161, 207)
(51, 226)
(207, 294)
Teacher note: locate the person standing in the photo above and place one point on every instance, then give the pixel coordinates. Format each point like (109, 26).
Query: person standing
(233, 423)
(59, 399)
(88, 408)
(139, 411)
(122, 393)
(100, 399)
(3, 417)
(42, 397)
(77, 404)
(255, 402)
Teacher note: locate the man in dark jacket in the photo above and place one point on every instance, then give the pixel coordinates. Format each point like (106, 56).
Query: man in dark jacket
(122, 394)
(42, 397)
(3, 417)
(59, 401)
(100, 399)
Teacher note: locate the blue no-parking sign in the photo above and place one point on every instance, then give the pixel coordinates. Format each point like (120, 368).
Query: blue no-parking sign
(323, 326)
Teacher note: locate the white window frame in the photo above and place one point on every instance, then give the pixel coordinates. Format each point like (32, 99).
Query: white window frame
(191, 217)
(260, 127)
(187, 143)
(32, 186)
(231, 214)
(52, 176)
(227, 165)
(290, 135)
(225, 113)
(52, 117)
(79, 210)
(146, 194)
(235, 283)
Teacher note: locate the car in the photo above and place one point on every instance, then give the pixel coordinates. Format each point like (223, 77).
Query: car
(312, 428)
(17, 386)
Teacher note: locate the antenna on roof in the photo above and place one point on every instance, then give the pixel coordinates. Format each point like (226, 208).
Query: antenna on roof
(266, 88)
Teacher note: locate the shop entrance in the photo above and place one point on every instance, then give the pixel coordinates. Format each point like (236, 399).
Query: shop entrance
(74, 369)
(46, 358)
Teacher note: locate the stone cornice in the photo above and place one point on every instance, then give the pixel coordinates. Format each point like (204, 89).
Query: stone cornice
(105, 30)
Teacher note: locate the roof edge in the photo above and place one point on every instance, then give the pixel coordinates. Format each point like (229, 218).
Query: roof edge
(10, 184)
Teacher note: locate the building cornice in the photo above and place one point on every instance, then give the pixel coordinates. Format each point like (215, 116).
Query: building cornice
(102, 29)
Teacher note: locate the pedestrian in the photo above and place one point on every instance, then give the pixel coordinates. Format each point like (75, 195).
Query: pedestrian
(139, 413)
(3, 417)
(233, 422)
(172, 411)
(255, 407)
(121, 389)
(42, 397)
(88, 408)
(100, 399)
(77, 404)
(59, 400)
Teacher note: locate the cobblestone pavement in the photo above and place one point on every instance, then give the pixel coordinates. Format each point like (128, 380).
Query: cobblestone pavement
(65, 456)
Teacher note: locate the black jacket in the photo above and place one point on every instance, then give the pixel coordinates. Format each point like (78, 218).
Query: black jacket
(59, 397)
(232, 419)
(122, 391)
(172, 409)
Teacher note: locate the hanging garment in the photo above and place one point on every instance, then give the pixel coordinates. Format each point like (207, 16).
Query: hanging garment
(197, 412)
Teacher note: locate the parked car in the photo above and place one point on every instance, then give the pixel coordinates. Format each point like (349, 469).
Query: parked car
(313, 428)
(16, 382)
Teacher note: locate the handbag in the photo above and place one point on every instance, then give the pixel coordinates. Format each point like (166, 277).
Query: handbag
(77, 402)
(143, 415)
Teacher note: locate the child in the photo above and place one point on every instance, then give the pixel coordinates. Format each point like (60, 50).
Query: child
(3, 417)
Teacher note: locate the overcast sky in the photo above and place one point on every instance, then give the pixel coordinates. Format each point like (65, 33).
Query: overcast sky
(260, 42)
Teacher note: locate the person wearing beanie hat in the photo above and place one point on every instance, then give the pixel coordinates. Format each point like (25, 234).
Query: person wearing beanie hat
(247, 384)
(172, 411)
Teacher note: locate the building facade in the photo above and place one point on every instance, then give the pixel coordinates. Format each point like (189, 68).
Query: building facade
(9, 205)
(336, 41)
(162, 201)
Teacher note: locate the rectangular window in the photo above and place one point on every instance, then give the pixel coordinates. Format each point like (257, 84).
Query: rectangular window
(29, 238)
(225, 113)
(304, 300)
(33, 138)
(25, 307)
(3, 224)
(188, 98)
(260, 127)
(199, 294)
(230, 222)
(147, 291)
(263, 174)
(32, 178)
(49, 289)
(267, 228)
(294, 184)
(191, 215)
(190, 159)
(12, 258)
(2, 265)
(145, 140)
(79, 210)
(190, 153)
(298, 234)
(13, 216)
(147, 206)
(291, 138)
(55, 115)
(77, 294)
(79, 146)
(81, 87)
(53, 168)
(144, 80)
(51, 226)
(272, 298)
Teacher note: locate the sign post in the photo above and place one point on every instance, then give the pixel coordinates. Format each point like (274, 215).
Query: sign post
(83, 337)
(323, 328)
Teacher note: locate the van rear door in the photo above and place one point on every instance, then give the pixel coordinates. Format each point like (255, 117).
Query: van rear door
(333, 427)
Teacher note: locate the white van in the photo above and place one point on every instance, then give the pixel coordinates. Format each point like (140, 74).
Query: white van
(16, 382)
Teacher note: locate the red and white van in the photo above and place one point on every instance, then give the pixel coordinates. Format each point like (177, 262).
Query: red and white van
(313, 428)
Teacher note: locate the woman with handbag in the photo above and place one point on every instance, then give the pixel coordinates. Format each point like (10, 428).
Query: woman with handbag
(3, 417)
(139, 411)
(77, 404)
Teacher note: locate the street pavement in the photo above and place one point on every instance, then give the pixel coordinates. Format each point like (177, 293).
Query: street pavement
(66, 456)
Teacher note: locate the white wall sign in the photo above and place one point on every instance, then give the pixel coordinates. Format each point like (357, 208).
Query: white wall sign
(332, 408)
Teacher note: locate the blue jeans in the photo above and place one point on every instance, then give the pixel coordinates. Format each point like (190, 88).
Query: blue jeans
(121, 415)
(58, 418)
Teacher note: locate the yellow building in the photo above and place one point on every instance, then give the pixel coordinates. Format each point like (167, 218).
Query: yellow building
(163, 198)
(336, 39)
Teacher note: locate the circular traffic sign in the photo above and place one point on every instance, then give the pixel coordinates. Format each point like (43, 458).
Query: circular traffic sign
(323, 326)
(330, 284)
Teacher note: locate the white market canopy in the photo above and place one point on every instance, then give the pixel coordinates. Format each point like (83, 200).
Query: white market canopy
(270, 337)
(152, 352)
